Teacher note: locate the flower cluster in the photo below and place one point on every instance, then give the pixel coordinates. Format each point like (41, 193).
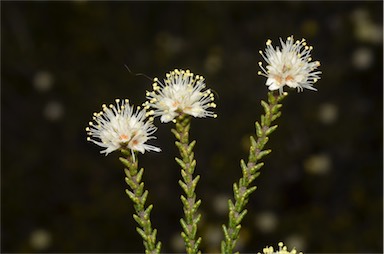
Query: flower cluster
(182, 93)
(282, 250)
(291, 65)
(119, 127)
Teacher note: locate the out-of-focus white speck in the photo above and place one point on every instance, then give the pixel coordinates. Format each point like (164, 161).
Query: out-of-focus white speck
(362, 58)
(43, 81)
(220, 204)
(177, 243)
(266, 221)
(328, 113)
(365, 29)
(296, 241)
(40, 239)
(53, 111)
(318, 164)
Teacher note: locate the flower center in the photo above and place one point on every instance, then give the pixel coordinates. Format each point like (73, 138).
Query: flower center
(289, 78)
(135, 142)
(123, 137)
(175, 104)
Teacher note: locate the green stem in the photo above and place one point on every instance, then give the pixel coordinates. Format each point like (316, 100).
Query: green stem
(242, 189)
(138, 195)
(188, 184)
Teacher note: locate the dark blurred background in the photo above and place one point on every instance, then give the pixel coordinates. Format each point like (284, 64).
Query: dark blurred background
(321, 188)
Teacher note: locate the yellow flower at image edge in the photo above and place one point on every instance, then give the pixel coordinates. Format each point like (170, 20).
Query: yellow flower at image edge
(291, 65)
(182, 93)
(119, 127)
(282, 250)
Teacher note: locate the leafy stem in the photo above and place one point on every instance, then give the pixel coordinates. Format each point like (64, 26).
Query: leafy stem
(188, 184)
(250, 170)
(139, 196)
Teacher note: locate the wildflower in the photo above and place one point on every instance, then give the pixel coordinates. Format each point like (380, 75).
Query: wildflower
(181, 93)
(282, 250)
(118, 127)
(291, 65)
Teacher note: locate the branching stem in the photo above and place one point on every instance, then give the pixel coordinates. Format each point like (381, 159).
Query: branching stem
(188, 184)
(250, 171)
(139, 196)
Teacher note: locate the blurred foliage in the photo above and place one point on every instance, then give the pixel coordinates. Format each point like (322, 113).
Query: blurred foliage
(320, 189)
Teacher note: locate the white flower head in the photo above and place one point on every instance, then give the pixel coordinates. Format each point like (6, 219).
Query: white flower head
(289, 65)
(182, 93)
(282, 250)
(119, 126)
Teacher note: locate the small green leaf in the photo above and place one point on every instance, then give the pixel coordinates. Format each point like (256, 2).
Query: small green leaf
(184, 226)
(243, 165)
(184, 201)
(142, 233)
(191, 146)
(131, 195)
(249, 191)
(181, 163)
(253, 141)
(235, 189)
(197, 219)
(140, 188)
(271, 129)
(143, 198)
(263, 153)
(177, 135)
(193, 164)
(183, 186)
(197, 243)
(158, 247)
(231, 205)
(256, 167)
(131, 183)
(262, 143)
(125, 152)
(138, 220)
(185, 237)
(275, 116)
(153, 235)
(148, 210)
(241, 216)
(259, 131)
(276, 108)
(125, 162)
(226, 235)
(223, 247)
(196, 206)
(265, 106)
(195, 181)
(251, 178)
(139, 175)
